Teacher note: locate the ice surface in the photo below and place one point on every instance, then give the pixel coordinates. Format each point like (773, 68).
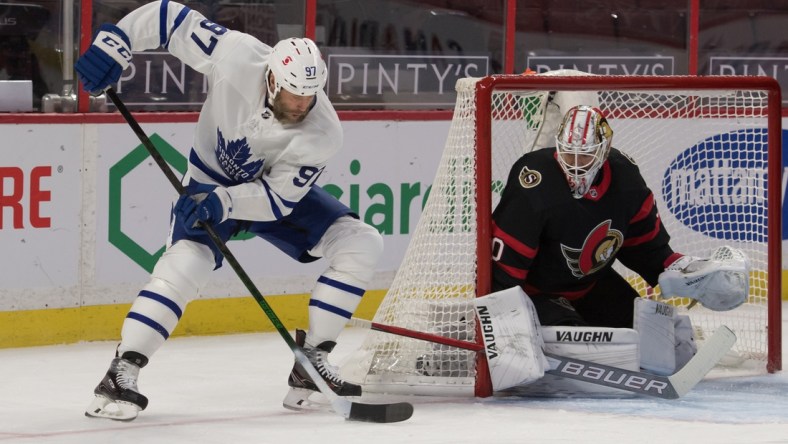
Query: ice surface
(228, 389)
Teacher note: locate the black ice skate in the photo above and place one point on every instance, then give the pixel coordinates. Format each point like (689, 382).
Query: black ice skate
(302, 385)
(117, 395)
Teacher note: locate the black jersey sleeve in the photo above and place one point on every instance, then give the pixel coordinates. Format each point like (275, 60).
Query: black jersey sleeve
(646, 246)
(517, 225)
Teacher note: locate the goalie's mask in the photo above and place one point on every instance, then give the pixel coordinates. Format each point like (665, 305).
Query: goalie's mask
(297, 66)
(582, 144)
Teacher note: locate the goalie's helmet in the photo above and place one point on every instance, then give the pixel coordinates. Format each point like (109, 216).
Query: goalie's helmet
(583, 144)
(297, 66)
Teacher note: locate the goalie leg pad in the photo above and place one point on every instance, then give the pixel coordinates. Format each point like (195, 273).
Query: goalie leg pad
(685, 340)
(617, 347)
(512, 338)
(654, 322)
(667, 339)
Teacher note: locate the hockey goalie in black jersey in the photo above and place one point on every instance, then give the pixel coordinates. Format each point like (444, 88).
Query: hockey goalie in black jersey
(568, 212)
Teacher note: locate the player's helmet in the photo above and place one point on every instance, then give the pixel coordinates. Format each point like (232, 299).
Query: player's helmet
(582, 143)
(297, 66)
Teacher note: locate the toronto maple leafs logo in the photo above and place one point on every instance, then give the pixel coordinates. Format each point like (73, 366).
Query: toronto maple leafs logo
(233, 157)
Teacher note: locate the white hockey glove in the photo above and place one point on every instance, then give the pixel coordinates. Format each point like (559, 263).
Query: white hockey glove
(719, 283)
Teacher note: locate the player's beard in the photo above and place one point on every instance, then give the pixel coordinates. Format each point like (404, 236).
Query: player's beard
(284, 115)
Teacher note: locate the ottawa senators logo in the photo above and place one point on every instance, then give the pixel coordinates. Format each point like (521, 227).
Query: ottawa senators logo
(599, 248)
(529, 178)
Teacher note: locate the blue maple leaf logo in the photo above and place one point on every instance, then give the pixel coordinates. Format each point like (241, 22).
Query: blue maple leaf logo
(233, 156)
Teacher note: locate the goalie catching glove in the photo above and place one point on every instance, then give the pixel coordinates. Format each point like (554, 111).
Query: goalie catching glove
(719, 283)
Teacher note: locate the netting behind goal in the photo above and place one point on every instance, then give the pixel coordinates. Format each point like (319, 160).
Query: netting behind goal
(708, 147)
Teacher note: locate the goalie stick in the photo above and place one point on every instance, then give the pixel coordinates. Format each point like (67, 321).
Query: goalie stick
(667, 387)
(356, 411)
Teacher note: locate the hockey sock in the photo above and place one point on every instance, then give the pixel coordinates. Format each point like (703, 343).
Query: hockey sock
(331, 306)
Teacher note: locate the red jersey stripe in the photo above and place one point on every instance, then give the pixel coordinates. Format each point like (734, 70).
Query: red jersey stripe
(645, 209)
(514, 244)
(517, 273)
(672, 258)
(632, 241)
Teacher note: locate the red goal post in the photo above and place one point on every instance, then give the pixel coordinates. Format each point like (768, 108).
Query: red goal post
(710, 150)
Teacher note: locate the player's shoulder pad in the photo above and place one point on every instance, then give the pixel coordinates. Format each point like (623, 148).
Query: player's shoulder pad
(616, 154)
(626, 169)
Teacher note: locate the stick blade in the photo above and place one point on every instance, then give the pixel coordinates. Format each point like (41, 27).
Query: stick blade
(707, 357)
(380, 413)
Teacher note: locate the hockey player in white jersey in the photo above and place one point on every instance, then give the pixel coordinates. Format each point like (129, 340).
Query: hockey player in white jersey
(264, 135)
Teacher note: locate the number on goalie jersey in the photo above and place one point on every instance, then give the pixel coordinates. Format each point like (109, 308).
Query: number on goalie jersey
(558, 230)
(264, 135)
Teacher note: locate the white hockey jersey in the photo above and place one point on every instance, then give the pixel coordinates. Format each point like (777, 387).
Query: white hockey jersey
(266, 167)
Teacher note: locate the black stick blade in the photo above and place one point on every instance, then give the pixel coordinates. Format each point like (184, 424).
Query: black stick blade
(381, 413)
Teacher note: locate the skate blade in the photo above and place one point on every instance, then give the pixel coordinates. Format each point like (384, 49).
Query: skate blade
(103, 407)
(301, 399)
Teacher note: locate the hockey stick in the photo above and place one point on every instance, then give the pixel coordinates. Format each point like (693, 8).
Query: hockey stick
(666, 387)
(357, 411)
(429, 337)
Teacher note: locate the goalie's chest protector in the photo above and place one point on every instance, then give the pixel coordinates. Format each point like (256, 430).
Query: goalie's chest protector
(574, 238)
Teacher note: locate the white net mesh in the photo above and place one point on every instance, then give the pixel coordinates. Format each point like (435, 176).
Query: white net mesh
(702, 153)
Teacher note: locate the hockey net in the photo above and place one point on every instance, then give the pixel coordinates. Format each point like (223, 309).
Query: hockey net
(709, 149)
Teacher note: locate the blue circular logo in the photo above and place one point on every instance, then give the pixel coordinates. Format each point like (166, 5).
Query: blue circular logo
(718, 186)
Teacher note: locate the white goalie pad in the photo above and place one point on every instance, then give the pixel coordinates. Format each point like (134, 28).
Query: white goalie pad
(654, 322)
(617, 347)
(667, 339)
(512, 338)
(685, 347)
(719, 283)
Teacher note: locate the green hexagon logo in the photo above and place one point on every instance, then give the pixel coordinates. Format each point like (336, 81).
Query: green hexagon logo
(135, 158)
(142, 257)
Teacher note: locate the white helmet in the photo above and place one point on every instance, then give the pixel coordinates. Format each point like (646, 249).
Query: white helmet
(583, 143)
(297, 66)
